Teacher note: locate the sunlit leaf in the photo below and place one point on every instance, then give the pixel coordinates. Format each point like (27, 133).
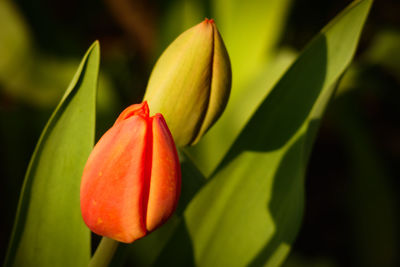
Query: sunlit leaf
(49, 230)
(215, 144)
(249, 212)
(250, 30)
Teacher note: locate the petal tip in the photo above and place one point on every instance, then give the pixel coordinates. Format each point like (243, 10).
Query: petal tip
(209, 21)
(135, 109)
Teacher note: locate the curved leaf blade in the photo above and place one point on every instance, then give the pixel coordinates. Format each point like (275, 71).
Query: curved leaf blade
(49, 230)
(250, 211)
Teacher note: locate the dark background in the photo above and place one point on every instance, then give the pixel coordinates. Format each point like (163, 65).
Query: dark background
(352, 185)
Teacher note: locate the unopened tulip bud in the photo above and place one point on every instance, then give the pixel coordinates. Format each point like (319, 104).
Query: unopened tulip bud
(131, 181)
(191, 82)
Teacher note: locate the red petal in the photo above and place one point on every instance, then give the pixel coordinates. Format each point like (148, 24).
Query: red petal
(165, 180)
(113, 185)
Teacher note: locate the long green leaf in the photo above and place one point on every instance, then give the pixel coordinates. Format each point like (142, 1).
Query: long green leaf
(49, 230)
(250, 211)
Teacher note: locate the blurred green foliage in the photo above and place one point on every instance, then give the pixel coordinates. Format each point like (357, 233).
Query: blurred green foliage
(351, 213)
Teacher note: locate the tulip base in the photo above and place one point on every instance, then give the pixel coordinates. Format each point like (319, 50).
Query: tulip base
(104, 253)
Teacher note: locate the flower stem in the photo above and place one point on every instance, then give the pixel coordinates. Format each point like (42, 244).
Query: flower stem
(104, 253)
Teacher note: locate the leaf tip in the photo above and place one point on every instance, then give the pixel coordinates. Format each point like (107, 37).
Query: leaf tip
(95, 47)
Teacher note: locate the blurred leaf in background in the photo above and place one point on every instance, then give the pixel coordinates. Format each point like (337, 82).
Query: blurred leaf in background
(29, 76)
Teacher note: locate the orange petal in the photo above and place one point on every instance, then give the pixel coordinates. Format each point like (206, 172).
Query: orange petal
(165, 180)
(113, 184)
(136, 109)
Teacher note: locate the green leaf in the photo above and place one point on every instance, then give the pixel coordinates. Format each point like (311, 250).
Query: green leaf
(49, 230)
(251, 30)
(216, 143)
(249, 212)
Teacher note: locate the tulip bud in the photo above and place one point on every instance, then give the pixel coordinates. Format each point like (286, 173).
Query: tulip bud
(191, 82)
(131, 181)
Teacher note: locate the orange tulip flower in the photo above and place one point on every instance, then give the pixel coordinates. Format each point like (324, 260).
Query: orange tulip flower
(131, 181)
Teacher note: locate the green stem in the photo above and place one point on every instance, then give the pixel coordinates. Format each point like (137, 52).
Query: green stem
(104, 253)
